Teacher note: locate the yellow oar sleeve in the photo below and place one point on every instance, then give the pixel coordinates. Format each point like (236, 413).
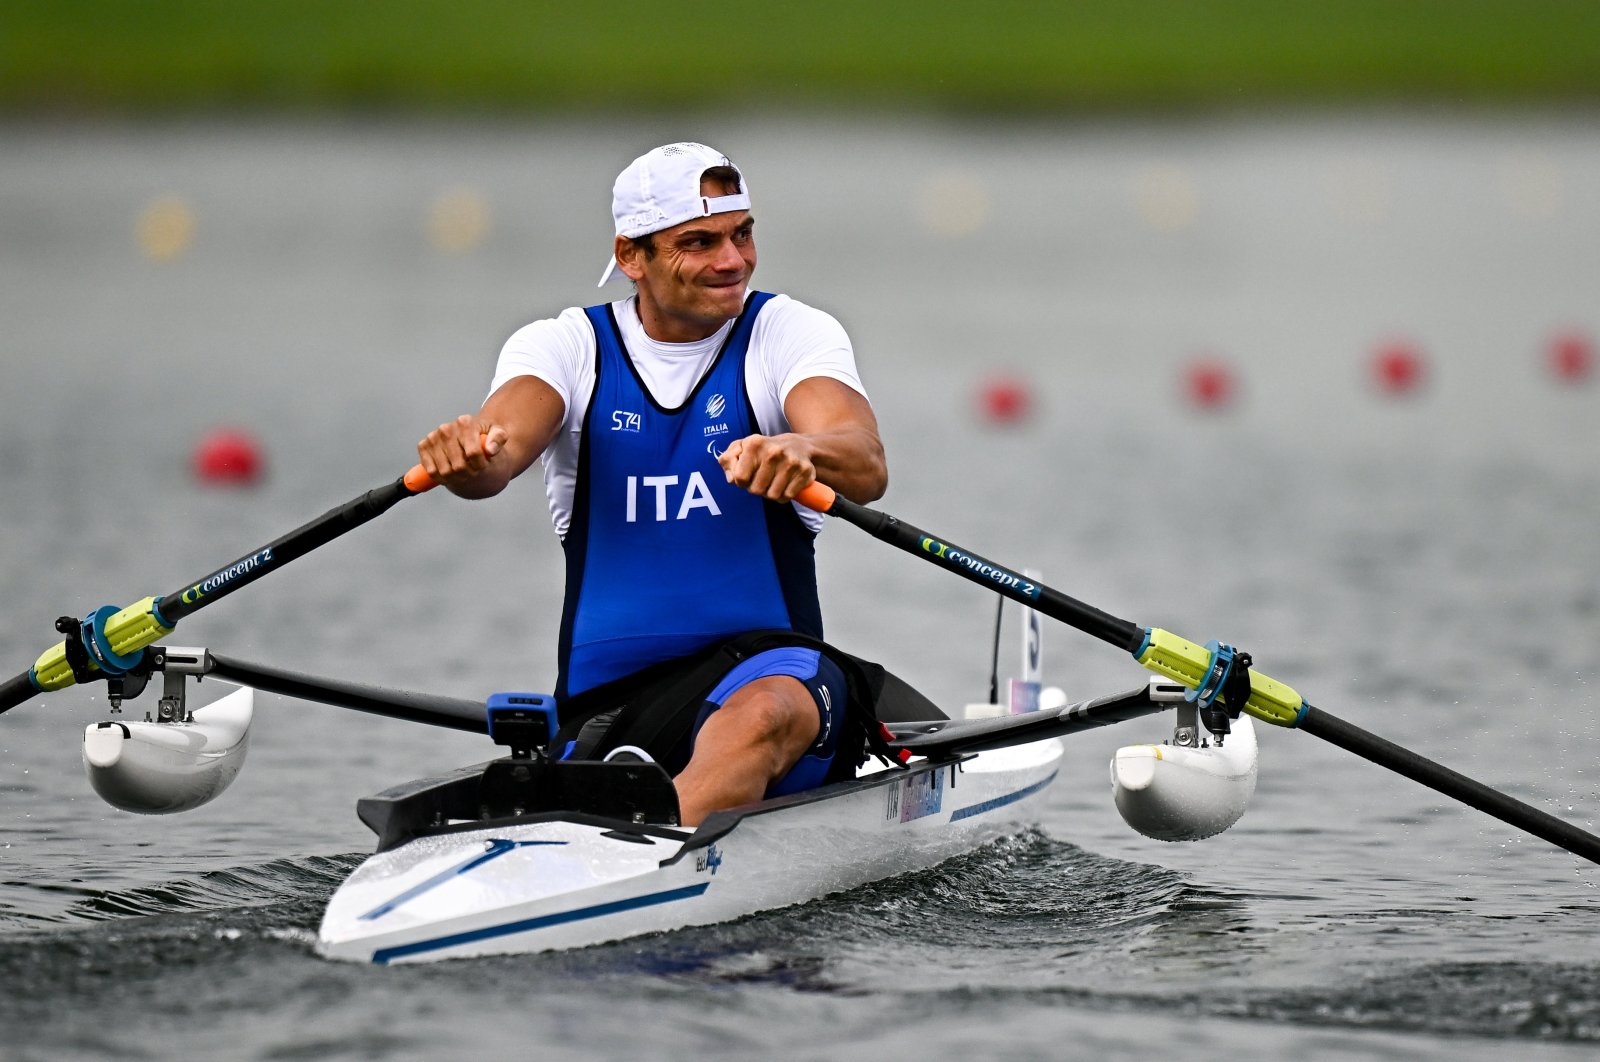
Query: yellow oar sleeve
(51, 671)
(126, 632)
(1179, 659)
(135, 627)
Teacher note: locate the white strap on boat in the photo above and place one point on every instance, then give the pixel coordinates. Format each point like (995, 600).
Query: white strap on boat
(642, 755)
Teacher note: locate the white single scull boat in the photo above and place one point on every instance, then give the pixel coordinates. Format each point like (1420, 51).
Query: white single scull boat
(525, 854)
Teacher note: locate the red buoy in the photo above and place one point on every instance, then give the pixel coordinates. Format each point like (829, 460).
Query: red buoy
(1398, 368)
(1209, 383)
(1005, 401)
(228, 456)
(1571, 357)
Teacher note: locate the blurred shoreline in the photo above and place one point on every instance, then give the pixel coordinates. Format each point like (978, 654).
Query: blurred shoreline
(545, 58)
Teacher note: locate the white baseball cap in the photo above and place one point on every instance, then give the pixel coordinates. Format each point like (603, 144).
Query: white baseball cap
(661, 189)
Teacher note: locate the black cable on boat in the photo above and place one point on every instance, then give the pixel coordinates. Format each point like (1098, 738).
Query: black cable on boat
(994, 654)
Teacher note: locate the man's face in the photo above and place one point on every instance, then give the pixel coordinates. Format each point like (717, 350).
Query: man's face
(697, 279)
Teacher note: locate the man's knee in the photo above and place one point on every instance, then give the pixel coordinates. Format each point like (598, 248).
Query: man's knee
(777, 712)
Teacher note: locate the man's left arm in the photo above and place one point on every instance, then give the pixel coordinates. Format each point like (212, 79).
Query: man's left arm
(833, 437)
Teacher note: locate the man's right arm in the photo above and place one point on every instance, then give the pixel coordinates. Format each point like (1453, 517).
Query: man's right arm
(476, 456)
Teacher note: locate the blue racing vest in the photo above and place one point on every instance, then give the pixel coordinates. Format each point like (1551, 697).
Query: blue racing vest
(664, 556)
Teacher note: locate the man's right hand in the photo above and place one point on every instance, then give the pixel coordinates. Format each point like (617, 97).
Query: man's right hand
(461, 453)
(476, 456)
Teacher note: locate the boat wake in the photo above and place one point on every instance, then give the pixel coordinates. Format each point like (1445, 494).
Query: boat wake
(1040, 922)
(998, 903)
(229, 889)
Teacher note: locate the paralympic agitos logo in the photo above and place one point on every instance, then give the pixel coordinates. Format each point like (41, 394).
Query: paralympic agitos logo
(1006, 580)
(227, 575)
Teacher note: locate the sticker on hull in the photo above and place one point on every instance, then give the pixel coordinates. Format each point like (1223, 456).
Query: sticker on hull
(916, 797)
(707, 858)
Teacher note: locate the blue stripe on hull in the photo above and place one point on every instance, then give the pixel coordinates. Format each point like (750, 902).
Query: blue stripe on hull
(1001, 801)
(385, 955)
(497, 848)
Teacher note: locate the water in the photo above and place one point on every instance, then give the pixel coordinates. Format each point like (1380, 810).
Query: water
(1426, 568)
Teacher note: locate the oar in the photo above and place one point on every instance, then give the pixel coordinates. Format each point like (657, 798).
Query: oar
(109, 643)
(1206, 669)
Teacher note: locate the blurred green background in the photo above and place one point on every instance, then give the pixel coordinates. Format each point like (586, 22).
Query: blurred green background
(114, 56)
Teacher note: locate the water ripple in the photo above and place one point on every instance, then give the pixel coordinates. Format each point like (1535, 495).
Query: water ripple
(227, 889)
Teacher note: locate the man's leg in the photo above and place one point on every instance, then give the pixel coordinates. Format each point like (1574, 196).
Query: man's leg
(760, 731)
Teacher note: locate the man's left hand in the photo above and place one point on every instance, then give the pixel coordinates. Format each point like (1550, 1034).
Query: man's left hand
(777, 467)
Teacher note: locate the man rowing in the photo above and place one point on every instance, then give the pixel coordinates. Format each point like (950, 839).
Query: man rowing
(676, 426)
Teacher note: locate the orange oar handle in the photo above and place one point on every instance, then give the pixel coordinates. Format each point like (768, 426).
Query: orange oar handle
(417, 480)
(818, 496)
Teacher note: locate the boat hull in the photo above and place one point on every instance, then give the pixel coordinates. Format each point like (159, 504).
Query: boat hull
(566, 881)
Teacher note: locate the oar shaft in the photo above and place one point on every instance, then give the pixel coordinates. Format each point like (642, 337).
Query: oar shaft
(1161, 651)
(1438, 777)
(15, 690)
(192, 597)
(139, 625)
(1123, 634)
